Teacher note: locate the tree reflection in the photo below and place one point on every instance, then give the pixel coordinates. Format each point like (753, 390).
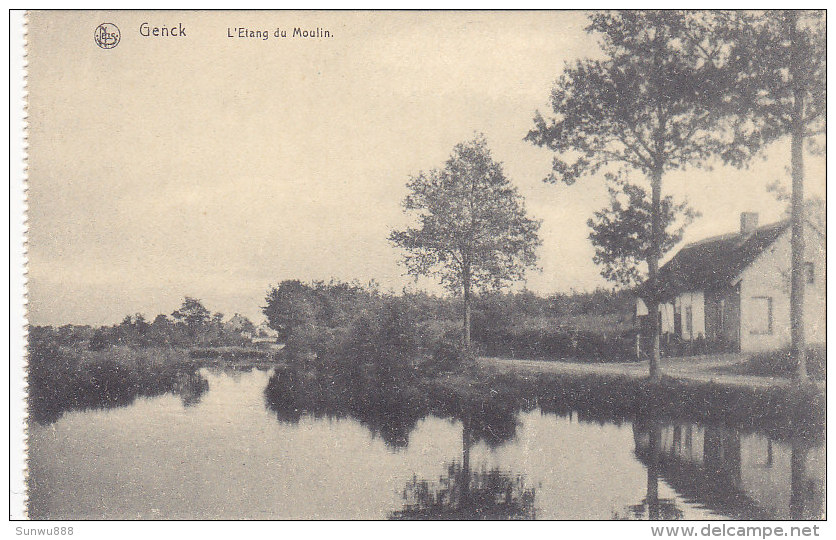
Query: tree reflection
(700, 461)
(107, 384)
(652, 507)
(712, 474)
(806, 495)
(390, 412)
(462, 493)
(190, 386)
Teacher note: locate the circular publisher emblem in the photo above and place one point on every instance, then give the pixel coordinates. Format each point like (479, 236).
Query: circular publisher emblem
(107, 35)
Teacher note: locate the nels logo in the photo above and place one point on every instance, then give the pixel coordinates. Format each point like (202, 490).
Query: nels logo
(107, 35)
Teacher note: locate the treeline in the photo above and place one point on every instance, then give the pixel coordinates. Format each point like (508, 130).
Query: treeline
(191, 325)
(329, 320)
(326, 319)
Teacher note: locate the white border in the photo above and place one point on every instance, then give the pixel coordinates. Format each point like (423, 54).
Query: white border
(16, 344)
(14, 379)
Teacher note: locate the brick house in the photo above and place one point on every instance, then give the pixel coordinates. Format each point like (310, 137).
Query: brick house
(733, 291)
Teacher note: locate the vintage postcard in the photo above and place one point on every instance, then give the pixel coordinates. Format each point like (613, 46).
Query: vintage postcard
(435, 265)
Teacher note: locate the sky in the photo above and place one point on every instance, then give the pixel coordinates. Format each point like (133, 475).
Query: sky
(215, 167)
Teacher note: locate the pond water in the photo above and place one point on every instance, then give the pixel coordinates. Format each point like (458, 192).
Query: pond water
(225, 453)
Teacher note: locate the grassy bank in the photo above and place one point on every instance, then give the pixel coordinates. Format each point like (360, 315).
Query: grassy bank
(780, 363)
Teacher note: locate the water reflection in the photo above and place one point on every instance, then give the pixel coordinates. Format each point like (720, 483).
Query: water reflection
(108, 385)
(739, 476)
(190, 386)
(388, 414)
(714, 466)
(463, 493)
(807, 491)
(391, 414)
(647, 432)
(239, 443)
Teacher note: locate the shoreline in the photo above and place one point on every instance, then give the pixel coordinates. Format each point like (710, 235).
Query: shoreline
(704, 369)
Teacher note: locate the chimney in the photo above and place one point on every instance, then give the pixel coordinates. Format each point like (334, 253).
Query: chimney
(748, 222)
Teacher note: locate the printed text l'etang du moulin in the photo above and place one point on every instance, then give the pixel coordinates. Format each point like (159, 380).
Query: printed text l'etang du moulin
(279, 33)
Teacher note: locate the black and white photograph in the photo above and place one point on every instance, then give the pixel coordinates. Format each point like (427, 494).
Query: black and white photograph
(563, 265)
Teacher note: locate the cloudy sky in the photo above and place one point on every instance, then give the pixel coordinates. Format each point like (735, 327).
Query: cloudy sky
(214, 167)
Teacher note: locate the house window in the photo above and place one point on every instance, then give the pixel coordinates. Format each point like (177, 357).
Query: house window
(761, 319)
(810, 273)
(689, 322)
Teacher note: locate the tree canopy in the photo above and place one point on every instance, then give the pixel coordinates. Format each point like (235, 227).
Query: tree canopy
(786, 63)
(193, 314)
(652, 104)
(621, 232)
(289, 306)
(473, 229)
(473, 223)
(658, 99)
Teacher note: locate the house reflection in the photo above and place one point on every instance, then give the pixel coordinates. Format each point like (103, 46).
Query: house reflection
(652, 507)
(745, 476)
(466, 494)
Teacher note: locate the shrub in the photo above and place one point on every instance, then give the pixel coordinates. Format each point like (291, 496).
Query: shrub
(229, 353)
(448, 356)
(559, 343)
(781, 364)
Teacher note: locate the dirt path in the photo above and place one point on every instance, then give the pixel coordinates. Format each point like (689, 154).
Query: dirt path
(696, 368)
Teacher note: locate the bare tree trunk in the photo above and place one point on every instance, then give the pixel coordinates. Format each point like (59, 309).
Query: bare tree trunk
(798, 348)
(466, 325)
(653, 269)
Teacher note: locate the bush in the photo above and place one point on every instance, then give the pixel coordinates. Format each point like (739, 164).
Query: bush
(560, 343)
(383, 344)
(781, 364)
(448, 356)
(229, 353)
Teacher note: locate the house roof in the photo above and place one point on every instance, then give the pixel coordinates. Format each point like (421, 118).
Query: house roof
(713, 262)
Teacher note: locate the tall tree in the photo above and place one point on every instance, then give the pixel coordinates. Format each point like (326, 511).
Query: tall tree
(621, 232)
(651, 104)
(473, 232)
(193, 314)
(783, 93)
(289, 307)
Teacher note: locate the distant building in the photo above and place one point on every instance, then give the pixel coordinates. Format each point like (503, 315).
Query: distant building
(263, 333)
(734, 290)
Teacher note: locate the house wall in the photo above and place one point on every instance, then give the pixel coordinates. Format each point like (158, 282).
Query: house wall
(696, 302)
(666, 313)
(769, 276)
(722, 315)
